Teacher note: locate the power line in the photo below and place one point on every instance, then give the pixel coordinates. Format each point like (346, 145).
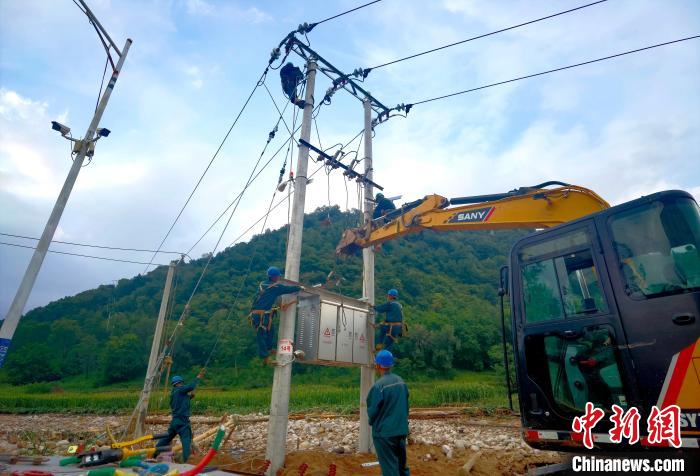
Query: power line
(408, 106)
(282, 200)
(343, 13)
(94, 246)
(238, 197)
(257, 85)
(80, 255)
(367, 70)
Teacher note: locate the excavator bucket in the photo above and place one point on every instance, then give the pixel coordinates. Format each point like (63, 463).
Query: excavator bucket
(350, 242)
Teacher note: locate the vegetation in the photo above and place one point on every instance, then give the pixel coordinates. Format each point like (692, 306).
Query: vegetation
(484, 390)
(447, 283)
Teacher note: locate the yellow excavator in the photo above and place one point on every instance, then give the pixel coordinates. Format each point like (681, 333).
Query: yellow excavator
(525, 207)
(604, 303)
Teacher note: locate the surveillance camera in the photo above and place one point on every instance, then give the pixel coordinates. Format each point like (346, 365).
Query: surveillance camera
(57, 126)
(103, 132)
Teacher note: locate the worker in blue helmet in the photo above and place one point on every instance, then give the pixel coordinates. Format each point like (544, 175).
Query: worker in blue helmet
(264, 310)
(391, 328)
(387, 411)
(180, 397)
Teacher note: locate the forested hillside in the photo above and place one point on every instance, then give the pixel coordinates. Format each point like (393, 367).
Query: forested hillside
(447, 283)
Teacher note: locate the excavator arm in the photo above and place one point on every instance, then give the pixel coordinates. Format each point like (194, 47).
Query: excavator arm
(525, 207)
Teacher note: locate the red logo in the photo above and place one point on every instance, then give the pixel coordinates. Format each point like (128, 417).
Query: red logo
(664, 425)
(584, 424)
(626, 424)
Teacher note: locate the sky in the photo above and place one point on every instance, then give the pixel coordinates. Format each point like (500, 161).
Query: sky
(625, 127)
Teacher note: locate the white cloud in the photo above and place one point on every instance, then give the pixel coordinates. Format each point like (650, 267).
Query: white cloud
(199, 7)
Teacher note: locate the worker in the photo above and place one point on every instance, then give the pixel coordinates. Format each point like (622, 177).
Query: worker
(263, 311)
(180, 397)
(382, 207)
(392, 326)
(387, 411)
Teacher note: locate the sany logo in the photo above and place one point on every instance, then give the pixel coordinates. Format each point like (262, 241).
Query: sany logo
(663, 426)
(472, 216)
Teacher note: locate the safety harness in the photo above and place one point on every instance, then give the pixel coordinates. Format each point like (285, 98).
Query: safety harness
(261, 312)
(402, 323)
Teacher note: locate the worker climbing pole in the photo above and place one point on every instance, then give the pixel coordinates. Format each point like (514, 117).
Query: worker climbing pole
(264, 311)
(393, 325)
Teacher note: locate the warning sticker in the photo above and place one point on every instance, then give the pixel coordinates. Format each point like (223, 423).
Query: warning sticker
(285, 346)
(362, 338)
(327, 332)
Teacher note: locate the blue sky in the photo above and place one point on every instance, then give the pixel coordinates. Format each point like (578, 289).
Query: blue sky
(624, 127)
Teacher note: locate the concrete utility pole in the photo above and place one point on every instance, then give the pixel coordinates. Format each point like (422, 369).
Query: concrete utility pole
(138, 427)
(367, 371)
(25, 288)
(279, 407)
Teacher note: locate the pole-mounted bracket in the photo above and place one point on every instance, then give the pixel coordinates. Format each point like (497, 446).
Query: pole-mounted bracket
(335, 163)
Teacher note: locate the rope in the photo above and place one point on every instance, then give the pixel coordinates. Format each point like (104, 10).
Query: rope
(553, 70)
(367, 70)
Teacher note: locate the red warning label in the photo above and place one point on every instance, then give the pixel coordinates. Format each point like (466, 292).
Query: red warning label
(362, 337)
(327, 332)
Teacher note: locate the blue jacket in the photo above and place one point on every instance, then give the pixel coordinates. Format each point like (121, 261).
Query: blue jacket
(387, 407)
(268, 292)
(394, 311)
(180, 400)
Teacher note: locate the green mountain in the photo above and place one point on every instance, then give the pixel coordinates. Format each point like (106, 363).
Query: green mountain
(447, 283)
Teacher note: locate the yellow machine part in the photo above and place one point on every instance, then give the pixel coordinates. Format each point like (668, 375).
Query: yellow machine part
(538, 208)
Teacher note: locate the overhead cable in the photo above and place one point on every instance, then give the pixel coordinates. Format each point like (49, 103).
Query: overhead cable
(80, 255)
(282, 200)
(366, 71)
(238, 197)
(95, 246)
(312, 25)
(199, 181)
(549, 71)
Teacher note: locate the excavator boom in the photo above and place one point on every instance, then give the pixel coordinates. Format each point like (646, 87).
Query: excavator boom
(526, 207)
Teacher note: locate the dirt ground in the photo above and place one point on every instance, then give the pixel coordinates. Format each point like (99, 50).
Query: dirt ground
(317, 442)
(489, 463)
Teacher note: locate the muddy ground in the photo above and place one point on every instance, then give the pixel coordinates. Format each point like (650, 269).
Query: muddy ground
(438, 444)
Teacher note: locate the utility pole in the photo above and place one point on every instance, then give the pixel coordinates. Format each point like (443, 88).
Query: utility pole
(137, 426)
(279, 407)
(367, 371)
(9, 325)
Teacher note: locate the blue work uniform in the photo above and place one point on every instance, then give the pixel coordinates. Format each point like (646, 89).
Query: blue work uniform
(387, 410)
(261, 314)
(392, 327)
(180, 424)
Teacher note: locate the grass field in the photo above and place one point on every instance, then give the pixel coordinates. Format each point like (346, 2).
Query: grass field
(485, 390)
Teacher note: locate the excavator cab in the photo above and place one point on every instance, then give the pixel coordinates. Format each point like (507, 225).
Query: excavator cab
(605, 310)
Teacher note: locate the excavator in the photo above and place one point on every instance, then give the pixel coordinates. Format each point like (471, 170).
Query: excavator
(604, 302)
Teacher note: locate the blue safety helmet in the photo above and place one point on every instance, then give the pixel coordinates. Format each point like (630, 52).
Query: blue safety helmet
(379, 196)
(393, 293)
(273, 272)
(176, 379)
(384, 358)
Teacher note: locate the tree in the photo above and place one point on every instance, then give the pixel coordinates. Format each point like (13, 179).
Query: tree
(119, 361)
(32, 363)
